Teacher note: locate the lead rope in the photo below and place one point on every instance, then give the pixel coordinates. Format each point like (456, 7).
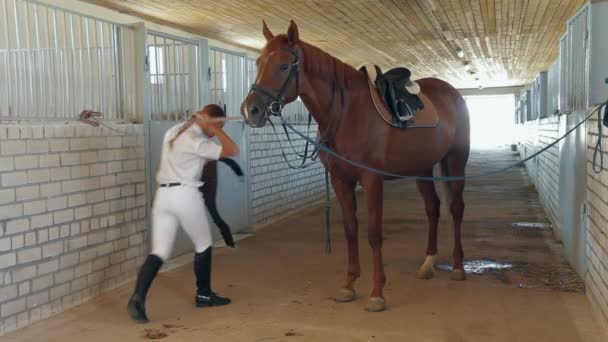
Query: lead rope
(333, 153)
(599, 148)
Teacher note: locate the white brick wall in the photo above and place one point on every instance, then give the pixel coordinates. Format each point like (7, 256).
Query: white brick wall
(545, 175)
(544, 170)
(276, 190)
(597, 228)
(71, 216)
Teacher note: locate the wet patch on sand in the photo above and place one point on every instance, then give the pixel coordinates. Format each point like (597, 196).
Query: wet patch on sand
(552, 277)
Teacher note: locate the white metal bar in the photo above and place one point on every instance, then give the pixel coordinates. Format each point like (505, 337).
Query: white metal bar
(32, 94)
(69, 57)
(52, 64)
(41, 72)
(166, 74)
(100, 68)
(182, 69)
(21, 87)
(175, 98)
(90, 60)
(159, 109)
(81, 83)
(236, 83)
(118, 90)
(575, 62)
(123, 36)
(8, 59)
(212, 75)
(59, 65)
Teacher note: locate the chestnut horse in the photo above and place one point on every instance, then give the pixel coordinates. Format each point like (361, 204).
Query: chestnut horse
(338, 98)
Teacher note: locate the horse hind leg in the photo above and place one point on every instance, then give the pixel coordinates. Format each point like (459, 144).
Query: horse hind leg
(454, 165)
(432, 205)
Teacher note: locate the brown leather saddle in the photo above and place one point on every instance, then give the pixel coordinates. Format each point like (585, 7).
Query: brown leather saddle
(390, 93)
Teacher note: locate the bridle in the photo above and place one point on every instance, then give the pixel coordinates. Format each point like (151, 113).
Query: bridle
(276, 101)
(275, 104)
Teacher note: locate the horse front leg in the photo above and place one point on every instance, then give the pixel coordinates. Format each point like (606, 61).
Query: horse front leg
(345, 192)
(373, 186)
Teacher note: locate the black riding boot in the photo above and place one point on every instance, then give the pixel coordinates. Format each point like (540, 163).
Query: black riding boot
(147, 273)
(202, 269)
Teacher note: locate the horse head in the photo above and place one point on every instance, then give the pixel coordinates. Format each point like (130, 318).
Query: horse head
(278, 77)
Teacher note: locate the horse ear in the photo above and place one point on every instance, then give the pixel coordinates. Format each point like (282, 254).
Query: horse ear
(293, 36)
(267, 32)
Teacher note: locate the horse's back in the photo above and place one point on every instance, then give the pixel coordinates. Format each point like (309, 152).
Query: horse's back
(441, 88)
(447, 99)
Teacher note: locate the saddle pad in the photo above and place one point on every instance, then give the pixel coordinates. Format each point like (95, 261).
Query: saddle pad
(427, 117)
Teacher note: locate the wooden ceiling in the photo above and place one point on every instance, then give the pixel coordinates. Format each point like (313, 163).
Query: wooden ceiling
(505, 42)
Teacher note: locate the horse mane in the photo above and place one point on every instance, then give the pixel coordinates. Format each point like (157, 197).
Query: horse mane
(325, 66)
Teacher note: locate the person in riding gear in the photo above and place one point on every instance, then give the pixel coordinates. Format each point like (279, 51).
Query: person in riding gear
(185, 150)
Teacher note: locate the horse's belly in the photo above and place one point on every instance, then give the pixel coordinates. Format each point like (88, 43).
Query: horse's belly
(417, 150)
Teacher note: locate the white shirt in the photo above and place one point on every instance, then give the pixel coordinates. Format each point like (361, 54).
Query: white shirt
(183, 163)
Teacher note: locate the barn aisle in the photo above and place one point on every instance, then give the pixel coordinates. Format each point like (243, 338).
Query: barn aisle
(282, 283)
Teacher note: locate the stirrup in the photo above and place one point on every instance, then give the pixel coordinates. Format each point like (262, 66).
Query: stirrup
(409, 115)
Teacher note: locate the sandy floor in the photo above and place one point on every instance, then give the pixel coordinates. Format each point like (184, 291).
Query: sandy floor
(282, 283)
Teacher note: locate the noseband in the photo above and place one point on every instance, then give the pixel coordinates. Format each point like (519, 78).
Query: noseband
(276, 101)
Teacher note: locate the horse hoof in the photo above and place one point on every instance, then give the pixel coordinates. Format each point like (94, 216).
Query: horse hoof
(458, 274)
(425, 273)
(345, 296)
(375, 304)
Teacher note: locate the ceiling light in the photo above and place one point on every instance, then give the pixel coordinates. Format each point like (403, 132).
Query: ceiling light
(460, 53)
(467, 66)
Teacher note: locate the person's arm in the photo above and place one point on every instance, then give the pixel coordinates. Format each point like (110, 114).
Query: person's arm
(229, 147)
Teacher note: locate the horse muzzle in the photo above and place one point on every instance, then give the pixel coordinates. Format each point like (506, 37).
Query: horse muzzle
(254, 112)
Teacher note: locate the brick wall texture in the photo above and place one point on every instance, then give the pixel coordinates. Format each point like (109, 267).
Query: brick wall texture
(597, 228)
(544, 169)
(278, 191)
(72, 216)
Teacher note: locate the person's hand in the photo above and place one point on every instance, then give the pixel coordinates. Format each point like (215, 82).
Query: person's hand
(214, 126)
(209, 124)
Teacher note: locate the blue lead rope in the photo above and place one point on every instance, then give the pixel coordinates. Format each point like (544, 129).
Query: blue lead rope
(598, 150)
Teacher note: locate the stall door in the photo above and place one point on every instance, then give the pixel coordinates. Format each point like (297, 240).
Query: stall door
(227, 77)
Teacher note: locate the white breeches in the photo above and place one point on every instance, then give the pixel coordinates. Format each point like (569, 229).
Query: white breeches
(174, 207)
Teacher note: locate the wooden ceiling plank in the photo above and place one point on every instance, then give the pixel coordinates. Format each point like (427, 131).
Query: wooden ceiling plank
(501, 37)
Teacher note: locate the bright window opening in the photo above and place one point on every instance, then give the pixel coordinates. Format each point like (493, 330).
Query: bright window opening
(492, 123)
(157, 69)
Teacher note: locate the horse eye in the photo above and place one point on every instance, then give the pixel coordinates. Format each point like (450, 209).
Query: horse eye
(284, 67)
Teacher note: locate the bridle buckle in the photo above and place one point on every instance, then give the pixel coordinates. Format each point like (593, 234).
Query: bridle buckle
(276, 107)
